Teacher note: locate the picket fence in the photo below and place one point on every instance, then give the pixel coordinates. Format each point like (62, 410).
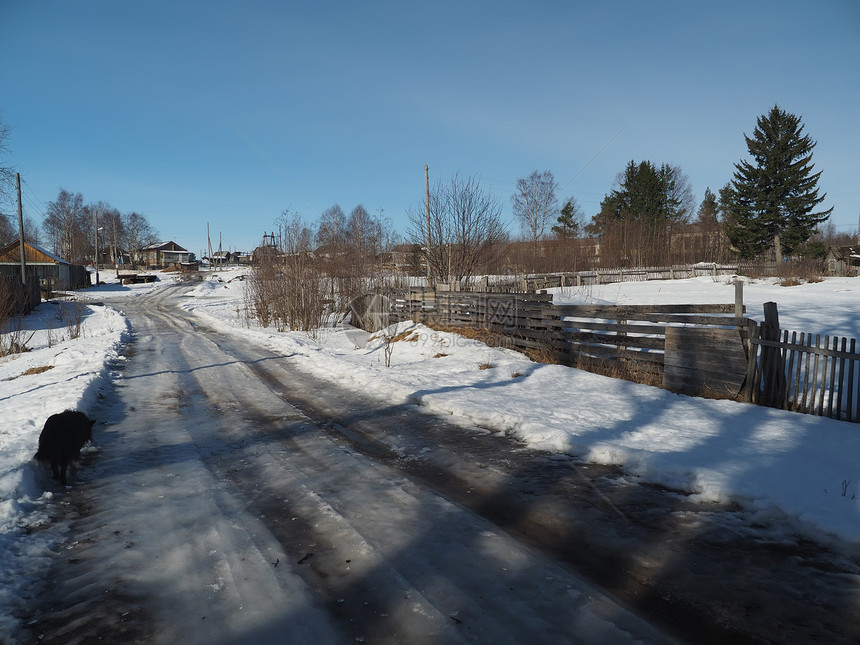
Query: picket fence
(802, 371)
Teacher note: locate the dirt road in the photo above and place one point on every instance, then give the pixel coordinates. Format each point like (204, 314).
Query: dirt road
(235, 499)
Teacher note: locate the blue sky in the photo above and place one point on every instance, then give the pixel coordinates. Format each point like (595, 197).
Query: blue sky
(228, 113)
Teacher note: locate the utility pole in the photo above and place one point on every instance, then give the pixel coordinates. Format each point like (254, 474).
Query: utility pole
(427, 201)
(209, 240)
(96, 247)
(21, 231)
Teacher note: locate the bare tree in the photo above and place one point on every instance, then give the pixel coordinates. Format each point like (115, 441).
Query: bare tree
(138, 234)
(7, 173)
(364, 233)
(349, 252)
(66, 227)
(535, 203)
(465, 230)
(7, 231)
(113, 232)
(95, 215)
(331, 230)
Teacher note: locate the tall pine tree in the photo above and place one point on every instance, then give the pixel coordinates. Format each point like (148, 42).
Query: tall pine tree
(773, 198)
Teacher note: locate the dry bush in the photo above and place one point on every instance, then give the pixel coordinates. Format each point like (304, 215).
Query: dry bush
(408, 336)
(482, 335)
(37, 370)
(797, 272)
(790, 282)
(620, 367)
(287, 297)
(790, 273)
(287, 288)
(71, 314)
(542, 355)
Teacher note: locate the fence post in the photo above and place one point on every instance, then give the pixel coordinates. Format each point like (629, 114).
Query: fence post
(773, 369)
(739, 298)
(751, 384)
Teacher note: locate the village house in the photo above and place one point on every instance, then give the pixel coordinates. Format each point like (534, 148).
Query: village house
(53, 272)
(165, 254)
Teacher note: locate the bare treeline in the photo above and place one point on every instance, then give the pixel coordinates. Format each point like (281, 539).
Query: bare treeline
(72, 226)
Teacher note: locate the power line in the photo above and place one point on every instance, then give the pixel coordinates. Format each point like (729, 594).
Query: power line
(561, 190)
(278, 170)
(41, 204)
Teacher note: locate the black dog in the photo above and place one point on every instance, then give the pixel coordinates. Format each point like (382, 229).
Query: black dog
(61, 441)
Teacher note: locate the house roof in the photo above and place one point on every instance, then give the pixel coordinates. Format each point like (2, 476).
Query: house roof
(165, 246)
(843, 252)
(33, 253)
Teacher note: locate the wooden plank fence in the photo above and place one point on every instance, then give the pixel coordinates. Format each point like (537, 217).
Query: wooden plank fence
(640, 341)
(598, 276)
(701, 350)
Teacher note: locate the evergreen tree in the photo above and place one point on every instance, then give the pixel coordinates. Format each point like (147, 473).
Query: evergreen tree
(569, 222)
(708, 209)
(636, 219)
(658, 196)
(771, 201)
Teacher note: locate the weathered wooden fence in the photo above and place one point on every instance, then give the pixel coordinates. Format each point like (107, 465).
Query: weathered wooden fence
(803, 372)
(600, 276)
(691, 349)
(710, 350)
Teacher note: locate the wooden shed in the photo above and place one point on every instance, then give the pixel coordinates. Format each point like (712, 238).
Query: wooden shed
(54, 273)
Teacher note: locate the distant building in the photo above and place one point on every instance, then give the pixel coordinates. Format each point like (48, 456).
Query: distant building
(843, 260)
(164, 254)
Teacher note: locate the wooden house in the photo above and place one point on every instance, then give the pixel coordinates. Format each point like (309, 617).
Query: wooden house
(53, 272)
(164, 254)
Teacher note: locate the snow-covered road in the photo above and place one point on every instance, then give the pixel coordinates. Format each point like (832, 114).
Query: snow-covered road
(217, 511)
(236, 469)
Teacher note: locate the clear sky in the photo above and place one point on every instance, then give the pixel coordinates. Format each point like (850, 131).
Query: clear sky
(228, 112)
